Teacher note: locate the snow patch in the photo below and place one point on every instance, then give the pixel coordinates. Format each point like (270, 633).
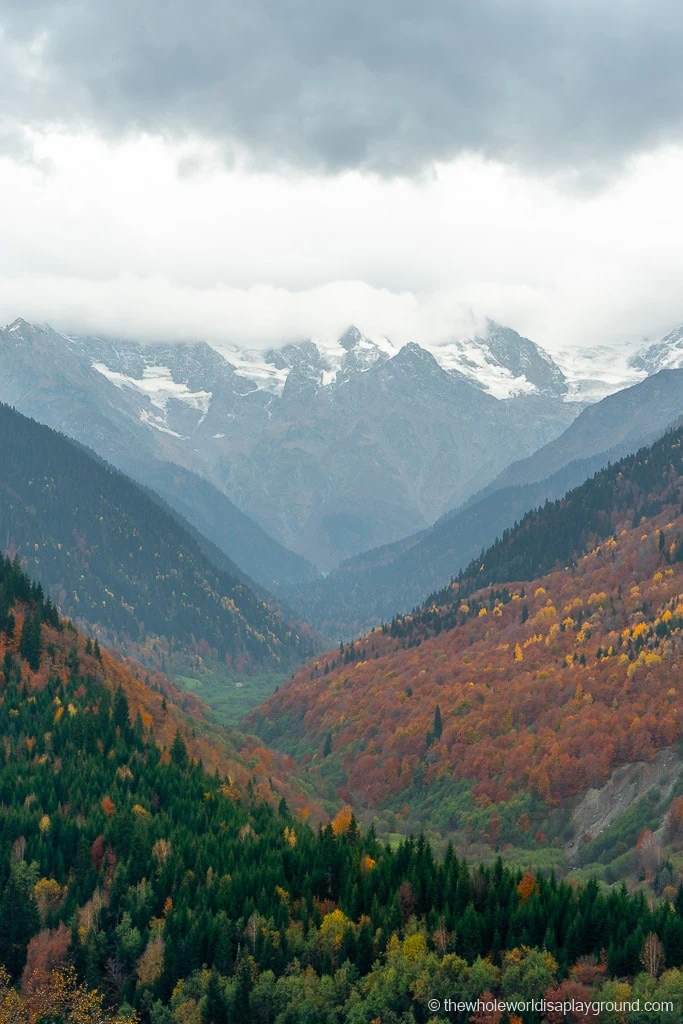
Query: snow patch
(472, 358)
(594, 373)
(151, 421)
(158, 386)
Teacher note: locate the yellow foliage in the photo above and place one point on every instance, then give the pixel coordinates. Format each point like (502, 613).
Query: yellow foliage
(60, 997)
(333, 927)
(414, 947)
(282, 895)
(290, 836)
(545, 614)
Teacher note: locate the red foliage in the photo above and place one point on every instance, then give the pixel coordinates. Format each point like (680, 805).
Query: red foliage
(47, 951)
(97, 852)
(599, 683)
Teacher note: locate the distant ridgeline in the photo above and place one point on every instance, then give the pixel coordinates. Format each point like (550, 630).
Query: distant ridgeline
(129, 869)
(113, 557)
(561, 531)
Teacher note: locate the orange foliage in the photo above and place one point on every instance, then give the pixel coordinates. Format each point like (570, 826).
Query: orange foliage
(108, 806)
(593, 691)
(343, 820)
(526, 887)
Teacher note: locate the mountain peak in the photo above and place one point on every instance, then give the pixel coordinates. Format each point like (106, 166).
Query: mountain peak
(413, 357)
(350, 338)
(664, 354)
(17, 325)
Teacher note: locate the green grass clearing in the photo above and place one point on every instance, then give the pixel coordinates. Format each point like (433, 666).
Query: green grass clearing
(231, 697)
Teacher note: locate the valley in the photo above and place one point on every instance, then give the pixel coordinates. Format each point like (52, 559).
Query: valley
(483, 714)
(341, 512)
(177, 717)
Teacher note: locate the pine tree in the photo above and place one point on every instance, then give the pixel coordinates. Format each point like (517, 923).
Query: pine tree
(215, 1007)
(179, 751)
(19, 919)
(29, 647)
(438, 727)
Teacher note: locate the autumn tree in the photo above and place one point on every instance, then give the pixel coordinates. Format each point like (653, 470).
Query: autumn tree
(652, 955)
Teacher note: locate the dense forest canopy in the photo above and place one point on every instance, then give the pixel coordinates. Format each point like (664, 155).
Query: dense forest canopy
(161, 888)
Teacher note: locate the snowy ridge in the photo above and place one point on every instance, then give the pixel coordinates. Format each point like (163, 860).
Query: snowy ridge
(158, 386)
(665, 354)
(499, 361)
(472, 359)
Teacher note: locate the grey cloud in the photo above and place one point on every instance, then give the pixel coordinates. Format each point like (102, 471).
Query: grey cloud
(384, 85)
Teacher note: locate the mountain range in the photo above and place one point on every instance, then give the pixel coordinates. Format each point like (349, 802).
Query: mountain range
(330, 450)
(151, 859)
(335, 449)
(300, 456)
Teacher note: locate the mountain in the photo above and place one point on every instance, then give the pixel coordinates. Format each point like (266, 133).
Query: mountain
(140, 883)
(300, 437)
(664, 354)
(39, 647)
(549, 664)
(621, 419)
(46, 376)
(115, 558)
(504, 363)
(371, 588)
(313, 440)
(252, 551)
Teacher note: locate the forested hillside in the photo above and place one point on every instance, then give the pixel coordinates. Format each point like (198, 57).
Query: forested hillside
(131, 876)
(550, 662)
(39, 645)
(115, 558)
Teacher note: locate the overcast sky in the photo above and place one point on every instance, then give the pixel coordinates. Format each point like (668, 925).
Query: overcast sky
(270, 169)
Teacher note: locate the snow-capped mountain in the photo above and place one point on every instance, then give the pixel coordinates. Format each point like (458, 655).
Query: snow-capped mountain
(504, 364)
(665, 354)
(500, 361)
(332, 447)
(594, 372)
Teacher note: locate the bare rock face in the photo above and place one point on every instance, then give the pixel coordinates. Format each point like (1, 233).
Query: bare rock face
(599, 808)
